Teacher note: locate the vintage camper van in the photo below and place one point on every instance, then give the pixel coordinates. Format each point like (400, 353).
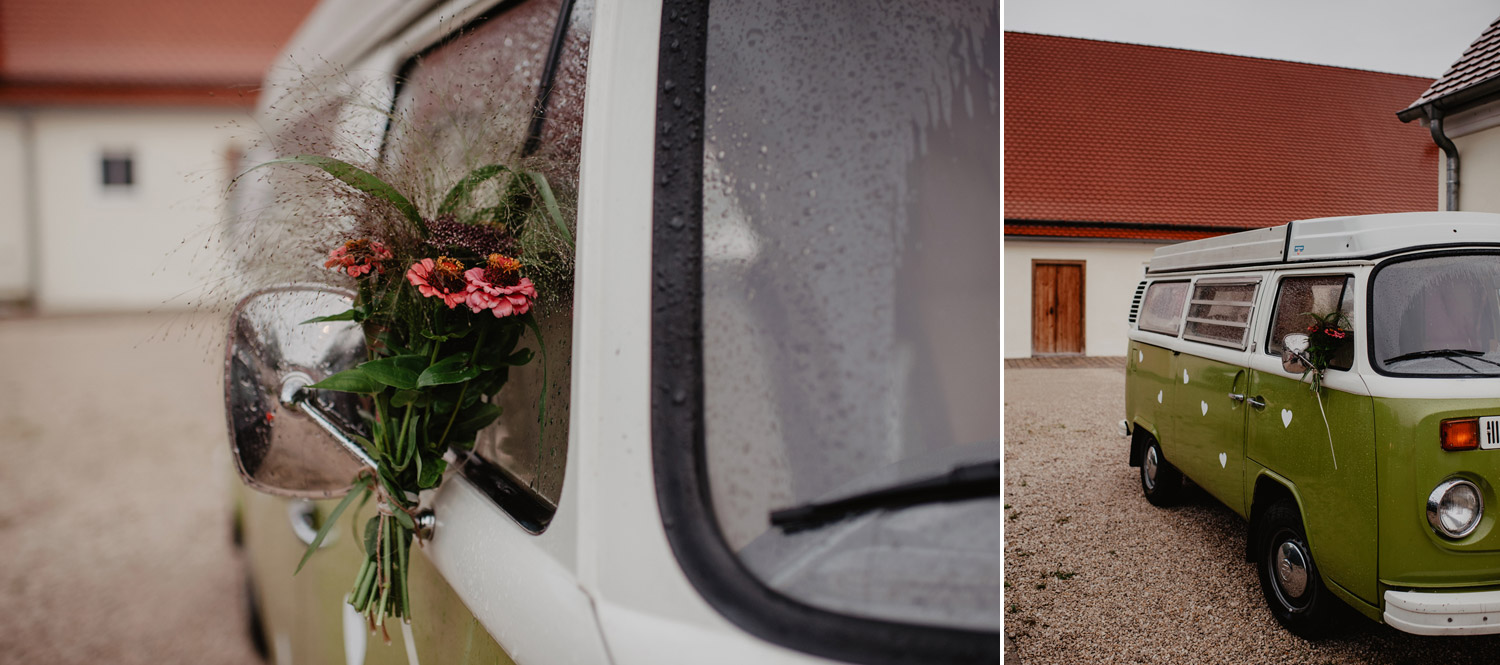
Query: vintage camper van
(784, 297)
(1379, 488)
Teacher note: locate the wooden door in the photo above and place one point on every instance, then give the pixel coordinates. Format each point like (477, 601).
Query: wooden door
(1056, 308)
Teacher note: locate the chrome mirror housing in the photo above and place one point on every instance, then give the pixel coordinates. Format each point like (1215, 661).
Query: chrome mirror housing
(1293, 356)
(288, 440)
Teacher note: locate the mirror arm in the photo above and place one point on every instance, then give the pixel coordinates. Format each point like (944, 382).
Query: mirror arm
(295, 395)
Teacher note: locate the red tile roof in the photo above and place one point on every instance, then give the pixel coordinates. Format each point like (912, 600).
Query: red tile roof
(1122, 134)
(1479, 63)
(59, 47)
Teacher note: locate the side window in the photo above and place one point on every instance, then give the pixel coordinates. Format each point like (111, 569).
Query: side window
(1219, 312)
(473, 101)
(1162, 310)
(1302, 301)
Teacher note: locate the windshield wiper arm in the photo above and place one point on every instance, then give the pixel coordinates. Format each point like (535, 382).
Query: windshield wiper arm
(1444, 353)
(967, 481)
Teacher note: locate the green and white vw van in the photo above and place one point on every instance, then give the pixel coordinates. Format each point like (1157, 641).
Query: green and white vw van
(1379, 490)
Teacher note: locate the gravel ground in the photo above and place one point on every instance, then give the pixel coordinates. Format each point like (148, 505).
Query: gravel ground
(115, 535)
(1095, 574)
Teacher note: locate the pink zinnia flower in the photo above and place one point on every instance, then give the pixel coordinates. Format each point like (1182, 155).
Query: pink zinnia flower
(499, 287)
(358, 257)
(442, 278)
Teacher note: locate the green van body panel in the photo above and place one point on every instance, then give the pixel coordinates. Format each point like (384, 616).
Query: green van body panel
(1338, 504)
(310, 606)
(1148, 367)
(1206, 437)
(1412, 463)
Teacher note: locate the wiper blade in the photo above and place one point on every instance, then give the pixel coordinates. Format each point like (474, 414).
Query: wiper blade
(1444, 353)
(967, 481)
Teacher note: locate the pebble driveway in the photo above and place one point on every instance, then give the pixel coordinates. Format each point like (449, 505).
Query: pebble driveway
(1095, 574)
(115, 522)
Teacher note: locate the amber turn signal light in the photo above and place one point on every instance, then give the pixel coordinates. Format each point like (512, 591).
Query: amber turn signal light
(1460, 434)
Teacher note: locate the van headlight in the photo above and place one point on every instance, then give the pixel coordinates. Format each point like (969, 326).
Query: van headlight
(1454, 508)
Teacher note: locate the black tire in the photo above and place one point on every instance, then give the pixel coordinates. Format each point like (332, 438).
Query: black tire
(1289, 577)
(1160, 481)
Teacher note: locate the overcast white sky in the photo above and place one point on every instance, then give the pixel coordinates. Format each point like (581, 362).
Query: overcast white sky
(1419, 37)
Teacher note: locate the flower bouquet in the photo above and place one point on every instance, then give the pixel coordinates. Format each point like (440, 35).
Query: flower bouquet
(1326, 336)
(444, 302)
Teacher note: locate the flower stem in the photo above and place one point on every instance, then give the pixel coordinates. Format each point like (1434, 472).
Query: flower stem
(478, 344)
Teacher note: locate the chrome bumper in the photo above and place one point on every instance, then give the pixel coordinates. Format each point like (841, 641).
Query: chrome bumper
(1443, 613)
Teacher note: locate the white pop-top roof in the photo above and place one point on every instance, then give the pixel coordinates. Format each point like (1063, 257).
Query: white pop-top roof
(1331, 239)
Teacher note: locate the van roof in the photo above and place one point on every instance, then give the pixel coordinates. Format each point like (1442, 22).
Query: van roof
(1330, 239)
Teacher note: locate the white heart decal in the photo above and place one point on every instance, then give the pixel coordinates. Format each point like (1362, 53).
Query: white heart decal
(1205, 407)
(1184, 376)
(1158, 397)
(1223, 460)
(1140, 355)
(1286, 418)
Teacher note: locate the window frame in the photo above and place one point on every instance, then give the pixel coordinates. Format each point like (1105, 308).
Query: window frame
(1249, 306)
(679, 455)
(1181, 317)
(1350, 287)
(530, 511)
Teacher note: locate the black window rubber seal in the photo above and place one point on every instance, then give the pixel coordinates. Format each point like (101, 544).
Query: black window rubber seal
(677, 416)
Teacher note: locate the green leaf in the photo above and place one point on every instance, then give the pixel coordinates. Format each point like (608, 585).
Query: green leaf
(432, 473)
(404, 519)
(453, 369)
(346, 315)
(327, 526)
(461, 192)
(494, 353)
(350, 381)
(399, 372)
(519, 358)
(551, 203)
(372, 531)
(415, 398)
(476, 418)
(357, 178)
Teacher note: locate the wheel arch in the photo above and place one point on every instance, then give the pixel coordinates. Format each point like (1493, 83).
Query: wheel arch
(1269, 488)
(1141, 433)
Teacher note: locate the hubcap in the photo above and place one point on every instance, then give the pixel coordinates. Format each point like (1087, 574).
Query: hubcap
(1291, 570)
(1148, 468)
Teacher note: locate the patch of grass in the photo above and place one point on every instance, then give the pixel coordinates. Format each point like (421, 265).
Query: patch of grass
(1063, 574)
(1063, 520)
(1014, 608)
(1041, 585)
(1014, 515)
(1007, 506)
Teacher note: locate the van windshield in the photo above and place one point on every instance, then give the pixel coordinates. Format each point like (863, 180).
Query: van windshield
(1437, 316)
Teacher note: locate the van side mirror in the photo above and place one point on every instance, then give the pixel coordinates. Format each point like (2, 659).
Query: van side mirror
(1293, 353)
(287, 439)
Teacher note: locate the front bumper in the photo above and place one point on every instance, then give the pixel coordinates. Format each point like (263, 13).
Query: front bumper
(1443, 613)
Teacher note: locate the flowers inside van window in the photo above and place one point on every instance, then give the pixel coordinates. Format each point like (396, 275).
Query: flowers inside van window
(446, 301)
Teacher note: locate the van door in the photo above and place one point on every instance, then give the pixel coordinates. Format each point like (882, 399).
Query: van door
(1208, 432)
(1323, 443)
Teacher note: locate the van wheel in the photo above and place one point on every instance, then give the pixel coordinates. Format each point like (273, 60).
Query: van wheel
(1289, 577)
(1160, 481)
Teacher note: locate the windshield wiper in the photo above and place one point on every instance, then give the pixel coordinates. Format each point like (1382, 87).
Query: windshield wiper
(1444, 353)
(967, 481)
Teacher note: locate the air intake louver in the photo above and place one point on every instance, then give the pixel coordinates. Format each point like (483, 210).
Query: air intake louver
(1135, 303)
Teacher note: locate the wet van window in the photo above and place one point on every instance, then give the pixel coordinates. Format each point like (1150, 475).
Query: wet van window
(1299, 299)
(1438, 316)
(1162, 311)
(1219, 313)
(851, 296)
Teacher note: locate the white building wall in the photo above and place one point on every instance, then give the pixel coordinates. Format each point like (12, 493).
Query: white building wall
(1479, 172)
(152, 245)
(14, 240)
(1111, 271)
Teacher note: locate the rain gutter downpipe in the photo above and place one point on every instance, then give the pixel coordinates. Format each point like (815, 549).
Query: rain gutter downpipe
(1435, 124)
